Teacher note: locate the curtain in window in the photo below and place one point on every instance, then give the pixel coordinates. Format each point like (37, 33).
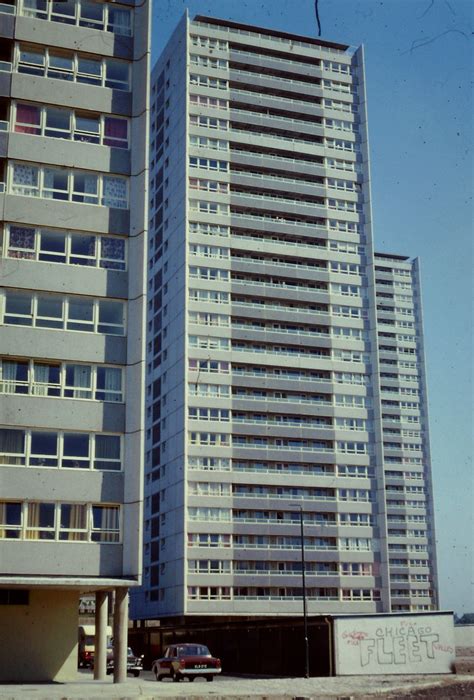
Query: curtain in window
(73, 518)
(114, 192)
(27, 114)
(25, 180)
(115, 132)
(106, 523)
(8, 378)
(90, 188)
(40, 379)
(119, 21)
(112, 253)
(112, 384)
(33, 521)
(3, 520)
(12, 446)
(81, 381)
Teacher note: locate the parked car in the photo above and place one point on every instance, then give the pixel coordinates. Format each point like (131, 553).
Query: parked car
(186, 661)
(134, 663)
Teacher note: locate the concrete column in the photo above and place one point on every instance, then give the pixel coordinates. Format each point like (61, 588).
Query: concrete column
(101, 618)
(120, 635)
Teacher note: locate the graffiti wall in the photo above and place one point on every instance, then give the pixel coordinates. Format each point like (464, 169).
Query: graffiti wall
(412, 643)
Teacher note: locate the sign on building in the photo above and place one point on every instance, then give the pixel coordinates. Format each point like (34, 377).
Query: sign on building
(397, 643)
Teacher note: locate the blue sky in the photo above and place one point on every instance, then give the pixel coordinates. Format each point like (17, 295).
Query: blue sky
(418, 57)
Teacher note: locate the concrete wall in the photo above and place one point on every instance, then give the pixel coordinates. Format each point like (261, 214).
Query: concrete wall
(394, 644)
(38, 642)
(464, 637)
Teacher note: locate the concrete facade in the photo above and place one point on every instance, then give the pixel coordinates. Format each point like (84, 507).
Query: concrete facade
(73, 218)
(263, 389)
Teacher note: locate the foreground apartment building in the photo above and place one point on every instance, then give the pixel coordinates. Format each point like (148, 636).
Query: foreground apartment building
(73, 224)
(285, 358)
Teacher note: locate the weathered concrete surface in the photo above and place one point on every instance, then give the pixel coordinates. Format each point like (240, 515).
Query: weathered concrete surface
(146, 688)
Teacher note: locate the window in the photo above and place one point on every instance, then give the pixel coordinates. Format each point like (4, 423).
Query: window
(72, 522)
(70, 313)
(93, 15)
(71, 124)
(38, 448)
(62, 247)
(66, 185)
(75, 67)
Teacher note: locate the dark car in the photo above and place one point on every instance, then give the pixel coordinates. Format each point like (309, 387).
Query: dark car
(134, 663)
(186, 661)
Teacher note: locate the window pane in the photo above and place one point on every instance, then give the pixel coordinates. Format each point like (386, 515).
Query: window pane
(27, 119)
(25, 180)
(114, 192)
(55, 184)
(58, 123)
(64, 11)
(81, 314)
(85, 188)
(119, 21)
(46, 379)
(76, 450)
(52, 247)
(110, 317)
(18, 309)
(82, 250)
(107, 452)
(89, 71)
(116, 75)
(115, 132)
(109, 384)
(80, 378)
(49, 312)
(87, 129)
(60, 66)
(12, 446)
(40, 521)
(105, 524)
(112, 253)
(73, 520)
(22, 242)
(44, 449)
(35, 8)
(92, 15)
(10, 514)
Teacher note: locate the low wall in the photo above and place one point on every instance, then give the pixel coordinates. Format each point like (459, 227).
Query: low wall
(399, 643)
(464, 640)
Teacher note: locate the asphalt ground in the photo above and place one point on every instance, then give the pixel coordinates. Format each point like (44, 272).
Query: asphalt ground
(230, 687)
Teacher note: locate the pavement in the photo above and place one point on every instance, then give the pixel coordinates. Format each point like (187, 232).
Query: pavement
(231, 687)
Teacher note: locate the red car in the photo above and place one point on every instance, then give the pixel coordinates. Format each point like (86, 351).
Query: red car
(186, 661)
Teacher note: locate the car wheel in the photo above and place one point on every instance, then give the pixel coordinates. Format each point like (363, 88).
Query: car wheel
(209, 679)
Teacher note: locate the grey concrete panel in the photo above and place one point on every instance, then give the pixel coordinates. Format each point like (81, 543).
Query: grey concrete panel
(74, 154)
(5, 84)
(7, 26)
(80, 39)
(68, 215)
(76, 485)
(63, 345)
(60, 558)
(66, 94)
(55, 277)
(45, 412)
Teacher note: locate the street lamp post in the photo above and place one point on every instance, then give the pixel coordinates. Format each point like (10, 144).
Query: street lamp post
(305, 616)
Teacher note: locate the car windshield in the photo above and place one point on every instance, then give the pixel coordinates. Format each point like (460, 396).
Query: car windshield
(193, 650)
